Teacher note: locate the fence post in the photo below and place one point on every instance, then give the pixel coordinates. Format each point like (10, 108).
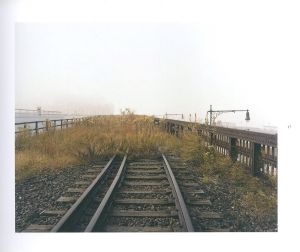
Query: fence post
(47, 125)
(36, 127)
(61, 123)
(273, 157)
(233, 149)
(256, 158)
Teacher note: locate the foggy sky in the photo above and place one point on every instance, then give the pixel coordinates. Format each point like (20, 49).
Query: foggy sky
(152, 68)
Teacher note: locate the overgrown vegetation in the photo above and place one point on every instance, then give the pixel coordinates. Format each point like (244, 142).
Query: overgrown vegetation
(100, 137)
(94, 138)
(256, 196)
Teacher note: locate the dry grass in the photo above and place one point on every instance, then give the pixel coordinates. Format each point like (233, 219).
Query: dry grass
(257, 196)
(94, 138)
(101, 137)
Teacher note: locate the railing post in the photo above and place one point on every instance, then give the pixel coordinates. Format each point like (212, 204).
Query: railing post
(211, 138)
(268, 156)
(233, 149)
(36, 128)
(47, 125)
(273, 157)
(67, 122)
(61, 123)
(256, 159)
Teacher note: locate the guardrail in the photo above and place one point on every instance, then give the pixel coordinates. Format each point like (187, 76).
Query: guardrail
(257, 151)
(44, 125)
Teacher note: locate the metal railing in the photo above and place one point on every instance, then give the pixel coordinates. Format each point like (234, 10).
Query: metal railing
(44, 125)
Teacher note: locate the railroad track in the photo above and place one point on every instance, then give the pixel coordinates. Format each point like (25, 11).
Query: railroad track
(130, 196)
(141, 195)
(147, 199)
(72, 210)
(206, 216)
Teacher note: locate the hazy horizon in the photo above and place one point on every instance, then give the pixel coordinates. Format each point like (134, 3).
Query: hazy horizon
(149, 68)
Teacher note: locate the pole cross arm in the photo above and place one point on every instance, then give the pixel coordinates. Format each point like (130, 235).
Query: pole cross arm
(215, 113)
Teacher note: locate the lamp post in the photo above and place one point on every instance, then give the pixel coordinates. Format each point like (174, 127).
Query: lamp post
(215, 113)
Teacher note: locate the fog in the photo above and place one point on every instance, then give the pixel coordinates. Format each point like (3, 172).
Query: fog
(152, 68)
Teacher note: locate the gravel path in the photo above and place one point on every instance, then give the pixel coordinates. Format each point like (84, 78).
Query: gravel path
(40, 192)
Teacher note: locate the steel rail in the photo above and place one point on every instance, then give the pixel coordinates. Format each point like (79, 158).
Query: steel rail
(65, 222)
(104, 203)
(179, 201)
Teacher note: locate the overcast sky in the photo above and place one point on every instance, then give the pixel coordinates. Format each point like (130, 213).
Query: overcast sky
(231, 62)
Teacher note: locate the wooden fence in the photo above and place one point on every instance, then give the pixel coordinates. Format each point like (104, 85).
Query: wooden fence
(257, 151)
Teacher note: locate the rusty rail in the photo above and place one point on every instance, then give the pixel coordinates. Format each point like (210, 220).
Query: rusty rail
(104, 203)
(68, 220)
(179, 201)
(184, 217)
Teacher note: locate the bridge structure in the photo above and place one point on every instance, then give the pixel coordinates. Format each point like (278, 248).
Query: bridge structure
(257, 151)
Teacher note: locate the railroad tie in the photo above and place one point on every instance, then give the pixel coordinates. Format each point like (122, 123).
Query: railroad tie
(38, 228)
(152, 191)
(192, 192)
(146, 183)
(209, 215)
(144, 201)
(199, 202)
(218, 230)
(114, 228)
(146, 177)
(82, 183)
(92, 171)
(53, 212)
(133, 213)
(76, 190)
(65, 199)
(143, 171)
(88, 176)
(188, 183)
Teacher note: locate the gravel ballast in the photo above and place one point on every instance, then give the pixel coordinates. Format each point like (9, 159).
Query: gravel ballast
(224, 198)
(40, 192)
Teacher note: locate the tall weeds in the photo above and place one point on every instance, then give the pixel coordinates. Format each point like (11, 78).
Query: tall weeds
(257, 196)
(92, 139)
(100, 137)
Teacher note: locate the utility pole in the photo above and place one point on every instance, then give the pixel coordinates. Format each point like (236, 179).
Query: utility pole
(213, 114)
